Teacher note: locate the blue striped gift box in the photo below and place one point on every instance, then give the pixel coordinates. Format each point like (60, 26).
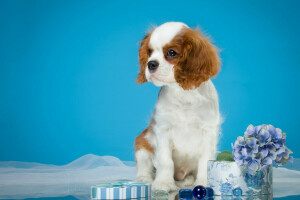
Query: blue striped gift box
(121, 190)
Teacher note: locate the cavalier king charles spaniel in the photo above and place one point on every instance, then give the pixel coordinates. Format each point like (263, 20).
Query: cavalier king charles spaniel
(174, 149)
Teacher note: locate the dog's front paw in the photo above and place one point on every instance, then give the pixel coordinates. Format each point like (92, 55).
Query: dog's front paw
(187, 182)
(164, 185)
(145, 179)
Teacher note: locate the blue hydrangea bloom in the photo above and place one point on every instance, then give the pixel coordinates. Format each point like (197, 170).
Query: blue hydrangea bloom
(264, 137)
(242, 157)
(253, 166)
(251, 130)
(260, 147)
(251, 146)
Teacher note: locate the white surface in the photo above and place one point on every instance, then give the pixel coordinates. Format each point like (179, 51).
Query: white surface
(286, 182)
(20, 180)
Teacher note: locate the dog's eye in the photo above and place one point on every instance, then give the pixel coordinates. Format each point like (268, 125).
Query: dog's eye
(149, 51)
(171, 53)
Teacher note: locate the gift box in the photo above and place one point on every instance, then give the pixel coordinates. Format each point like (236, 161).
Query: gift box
(121, 190)
(228, 179)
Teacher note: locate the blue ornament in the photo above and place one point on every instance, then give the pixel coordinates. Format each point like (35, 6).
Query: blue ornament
(199, 192)
(237, 192)
(209, 192)
(186, 194)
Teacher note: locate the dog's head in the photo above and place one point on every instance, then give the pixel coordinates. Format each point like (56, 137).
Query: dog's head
(173, 53)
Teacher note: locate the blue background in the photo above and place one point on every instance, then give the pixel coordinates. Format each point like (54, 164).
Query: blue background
(68, 69)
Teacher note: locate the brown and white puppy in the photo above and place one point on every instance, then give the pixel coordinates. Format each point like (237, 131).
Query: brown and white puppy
(183, 133)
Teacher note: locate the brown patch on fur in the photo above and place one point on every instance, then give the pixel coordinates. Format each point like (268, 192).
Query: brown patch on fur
(143, 58)
(141, 142)
(197, 58)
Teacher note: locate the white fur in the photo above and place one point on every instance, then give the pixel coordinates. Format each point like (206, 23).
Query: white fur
(185, 134)
(161, 36)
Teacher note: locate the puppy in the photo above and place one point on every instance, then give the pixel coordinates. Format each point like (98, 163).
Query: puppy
(183, 132)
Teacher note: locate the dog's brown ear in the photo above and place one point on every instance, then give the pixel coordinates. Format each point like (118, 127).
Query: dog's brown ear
(198, 61)
(143, 58)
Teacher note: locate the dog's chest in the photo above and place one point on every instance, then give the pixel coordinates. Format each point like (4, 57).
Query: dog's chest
(186, 117)
(184, 122)
(187, 135)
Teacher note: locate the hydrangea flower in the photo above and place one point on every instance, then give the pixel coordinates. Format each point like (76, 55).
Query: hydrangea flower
(242, 158)
(260, 147)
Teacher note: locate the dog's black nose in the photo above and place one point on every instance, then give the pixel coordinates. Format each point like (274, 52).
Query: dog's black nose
(152, 65)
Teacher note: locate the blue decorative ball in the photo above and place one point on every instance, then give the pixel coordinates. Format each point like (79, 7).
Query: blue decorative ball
(199, 192)
(186, 194)
(209, 192)
(237, 192)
